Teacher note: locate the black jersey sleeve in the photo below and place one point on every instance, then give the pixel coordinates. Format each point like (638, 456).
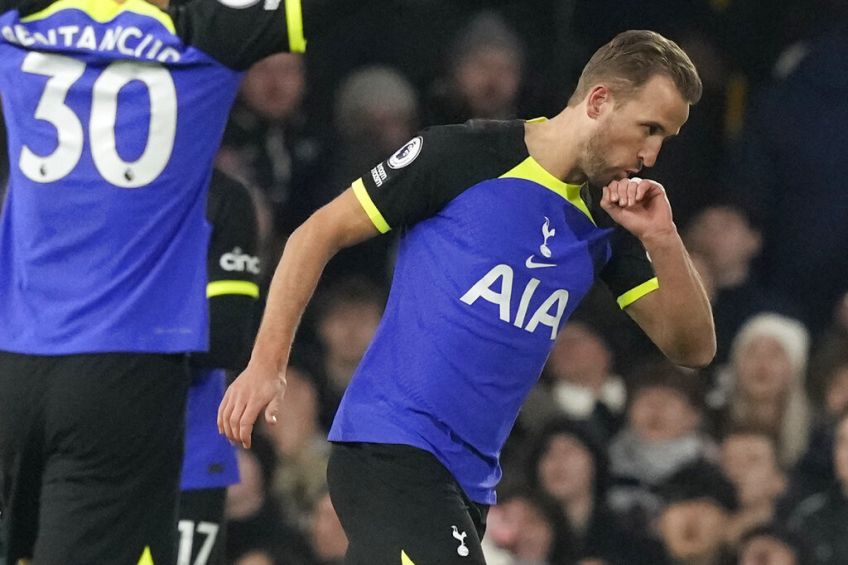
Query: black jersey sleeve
(430, 170)
(629, 273)
(233, 271)
(240, 32)
(24, 7)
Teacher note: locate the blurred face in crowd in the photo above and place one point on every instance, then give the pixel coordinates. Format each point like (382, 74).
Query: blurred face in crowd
(723, 236)
(566, 469)
(298, 416)
(390, 128)
(347, 329)
(520, 527)
(659, 413)
(274, 87)
(750, 462)
(692, 529)
(766, 550)
(840, 453)
(580, 356)
(246, 497)
(488, 80)
(836, 397)
(258, 557)
(630, 131)
(763, 370)
(328, 537)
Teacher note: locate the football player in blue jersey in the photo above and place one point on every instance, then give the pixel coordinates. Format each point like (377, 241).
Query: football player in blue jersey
(505, 227)
(114, 111)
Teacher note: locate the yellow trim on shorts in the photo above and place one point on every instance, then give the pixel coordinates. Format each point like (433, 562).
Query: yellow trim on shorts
(530, 169)
(104, 11)
(146, 557)
(242, 288)
(370, 208)
(638, 292)
(404, 558)
(294, 25)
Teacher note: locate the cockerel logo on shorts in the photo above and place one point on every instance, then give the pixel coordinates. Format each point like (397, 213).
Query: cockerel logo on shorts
(462, 550)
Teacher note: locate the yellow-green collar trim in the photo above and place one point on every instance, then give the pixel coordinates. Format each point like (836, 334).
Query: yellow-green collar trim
(104, 11)
(530, 169)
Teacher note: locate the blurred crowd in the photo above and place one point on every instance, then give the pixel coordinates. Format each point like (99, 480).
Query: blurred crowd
(617, 457)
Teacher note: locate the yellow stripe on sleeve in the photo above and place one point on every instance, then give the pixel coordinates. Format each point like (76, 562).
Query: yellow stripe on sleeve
(638, 292)
(404, 558)
(294, 23)
(242, 288)
(370, 208)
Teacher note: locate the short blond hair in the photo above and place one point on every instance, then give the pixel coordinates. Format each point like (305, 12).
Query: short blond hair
(632, 58)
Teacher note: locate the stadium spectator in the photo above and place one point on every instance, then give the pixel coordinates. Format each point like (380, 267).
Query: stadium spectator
(301, 447)
(697, 502)
(256, 557)
(783, 171)
(271, 144)
(724, 238)
(346, 317)
(569, 466)
(814, 471)
(485, 77)
(749, 461)
(661, 435)
(764, 385)
(828, 350)
(326, 536)
(521, 531)
(820, 519)
(254, 520)
(376, 112)
(578, 382)
(773, 545)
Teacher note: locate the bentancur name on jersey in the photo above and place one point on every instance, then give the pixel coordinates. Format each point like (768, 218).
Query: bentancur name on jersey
(129, 41)
(503, 276)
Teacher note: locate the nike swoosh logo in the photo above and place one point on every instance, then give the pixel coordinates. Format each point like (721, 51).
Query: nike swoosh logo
(531, 264)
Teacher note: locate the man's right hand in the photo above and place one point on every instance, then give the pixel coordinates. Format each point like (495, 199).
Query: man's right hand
(255, 390)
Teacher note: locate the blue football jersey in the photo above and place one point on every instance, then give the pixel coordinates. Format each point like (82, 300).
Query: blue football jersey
(114, 113)
(209, 460)
(496, 254)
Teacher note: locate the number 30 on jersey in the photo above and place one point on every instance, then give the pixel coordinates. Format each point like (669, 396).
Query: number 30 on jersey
(62, 73)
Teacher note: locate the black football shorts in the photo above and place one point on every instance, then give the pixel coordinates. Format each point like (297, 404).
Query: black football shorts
(399, 505)
(90, 455)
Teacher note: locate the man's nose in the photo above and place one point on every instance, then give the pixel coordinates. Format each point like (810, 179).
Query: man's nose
(648, 155)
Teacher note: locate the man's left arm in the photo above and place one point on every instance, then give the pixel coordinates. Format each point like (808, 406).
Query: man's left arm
(673, 310)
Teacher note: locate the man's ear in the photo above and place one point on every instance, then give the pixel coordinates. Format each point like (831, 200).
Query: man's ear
(599, 97)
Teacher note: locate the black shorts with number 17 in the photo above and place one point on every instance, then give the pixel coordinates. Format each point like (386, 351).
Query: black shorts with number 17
(399, 505)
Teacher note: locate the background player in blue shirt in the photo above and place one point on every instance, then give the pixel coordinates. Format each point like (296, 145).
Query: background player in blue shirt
(114, 111)
(506, 225)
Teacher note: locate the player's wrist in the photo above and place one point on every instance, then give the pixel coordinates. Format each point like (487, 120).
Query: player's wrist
(267, 363)
(659, 236)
